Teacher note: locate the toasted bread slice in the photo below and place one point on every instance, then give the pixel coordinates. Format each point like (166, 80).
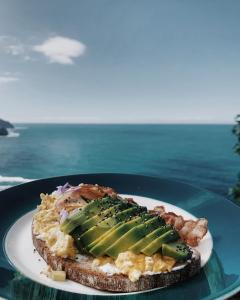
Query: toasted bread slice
(86, 274)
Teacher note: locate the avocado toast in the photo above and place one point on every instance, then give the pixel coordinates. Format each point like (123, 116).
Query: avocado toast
(104, 241)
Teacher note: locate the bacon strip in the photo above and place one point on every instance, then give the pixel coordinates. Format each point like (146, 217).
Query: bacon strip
(190, 231)
(92, 192)
(78, 196)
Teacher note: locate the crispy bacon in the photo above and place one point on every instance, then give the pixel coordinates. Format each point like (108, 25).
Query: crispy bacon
(75, 197)
(92, 192)
(190, 231)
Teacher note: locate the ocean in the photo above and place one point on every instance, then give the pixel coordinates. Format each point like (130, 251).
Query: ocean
(198, 154)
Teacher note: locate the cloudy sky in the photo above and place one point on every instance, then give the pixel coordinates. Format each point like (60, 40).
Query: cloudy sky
(124, 61)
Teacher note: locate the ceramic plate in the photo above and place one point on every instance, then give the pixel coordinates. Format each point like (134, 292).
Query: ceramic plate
(20, 250)
(218, 279)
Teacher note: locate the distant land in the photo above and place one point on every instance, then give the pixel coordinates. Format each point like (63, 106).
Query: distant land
(4, 126)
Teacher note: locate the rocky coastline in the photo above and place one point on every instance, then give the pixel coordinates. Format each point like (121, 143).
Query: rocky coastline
(4, 126)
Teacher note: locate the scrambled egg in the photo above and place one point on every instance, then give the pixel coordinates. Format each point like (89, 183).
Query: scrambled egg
(47, 228)
(135, 265)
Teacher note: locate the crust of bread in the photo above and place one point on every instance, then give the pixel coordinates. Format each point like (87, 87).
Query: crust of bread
(85, 274)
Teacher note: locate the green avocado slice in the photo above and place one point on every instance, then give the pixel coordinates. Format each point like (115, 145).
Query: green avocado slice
(96, 231)
(133, 236)
(136, 248)
(91, 245)
(100, 247)
(177, 250)
(88, 211)
(101, 215)
(154, 246)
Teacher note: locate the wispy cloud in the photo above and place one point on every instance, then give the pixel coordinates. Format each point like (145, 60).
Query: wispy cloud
(15, 49)
(61, 50)
(13, 46)
(8, 79)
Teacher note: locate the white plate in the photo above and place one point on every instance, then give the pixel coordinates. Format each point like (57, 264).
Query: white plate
(20, 250)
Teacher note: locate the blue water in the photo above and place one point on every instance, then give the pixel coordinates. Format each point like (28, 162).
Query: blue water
(198, 154)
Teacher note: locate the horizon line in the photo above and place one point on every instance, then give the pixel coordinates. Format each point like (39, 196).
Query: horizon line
(128, 123)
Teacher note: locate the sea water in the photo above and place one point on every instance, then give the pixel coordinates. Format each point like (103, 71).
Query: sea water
(198, 154)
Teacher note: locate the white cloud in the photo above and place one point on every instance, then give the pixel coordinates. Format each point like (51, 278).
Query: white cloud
(15, 49)
(13, 46)
(57, 49)
(8, 79)
(61, 50)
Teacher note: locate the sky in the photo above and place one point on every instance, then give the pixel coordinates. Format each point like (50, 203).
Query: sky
(128, 61)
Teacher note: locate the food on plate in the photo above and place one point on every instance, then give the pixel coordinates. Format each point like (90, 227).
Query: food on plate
(54, 275)
(190, 231)
(91, 235)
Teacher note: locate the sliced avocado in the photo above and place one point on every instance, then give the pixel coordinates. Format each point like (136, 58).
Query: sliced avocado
(86, 212)
(77, 232)
(154, 246)
(133, 236)
(177, 250)
(100, 247)
(104, 214)
(77, 242)
(96, 231)
(91, 245)
(136, 248)
(125, 215)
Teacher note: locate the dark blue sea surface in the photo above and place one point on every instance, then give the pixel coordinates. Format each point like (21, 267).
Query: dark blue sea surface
(198, 154)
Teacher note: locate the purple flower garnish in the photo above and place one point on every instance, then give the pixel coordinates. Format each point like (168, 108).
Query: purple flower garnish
(63, 215)
(63, 188)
